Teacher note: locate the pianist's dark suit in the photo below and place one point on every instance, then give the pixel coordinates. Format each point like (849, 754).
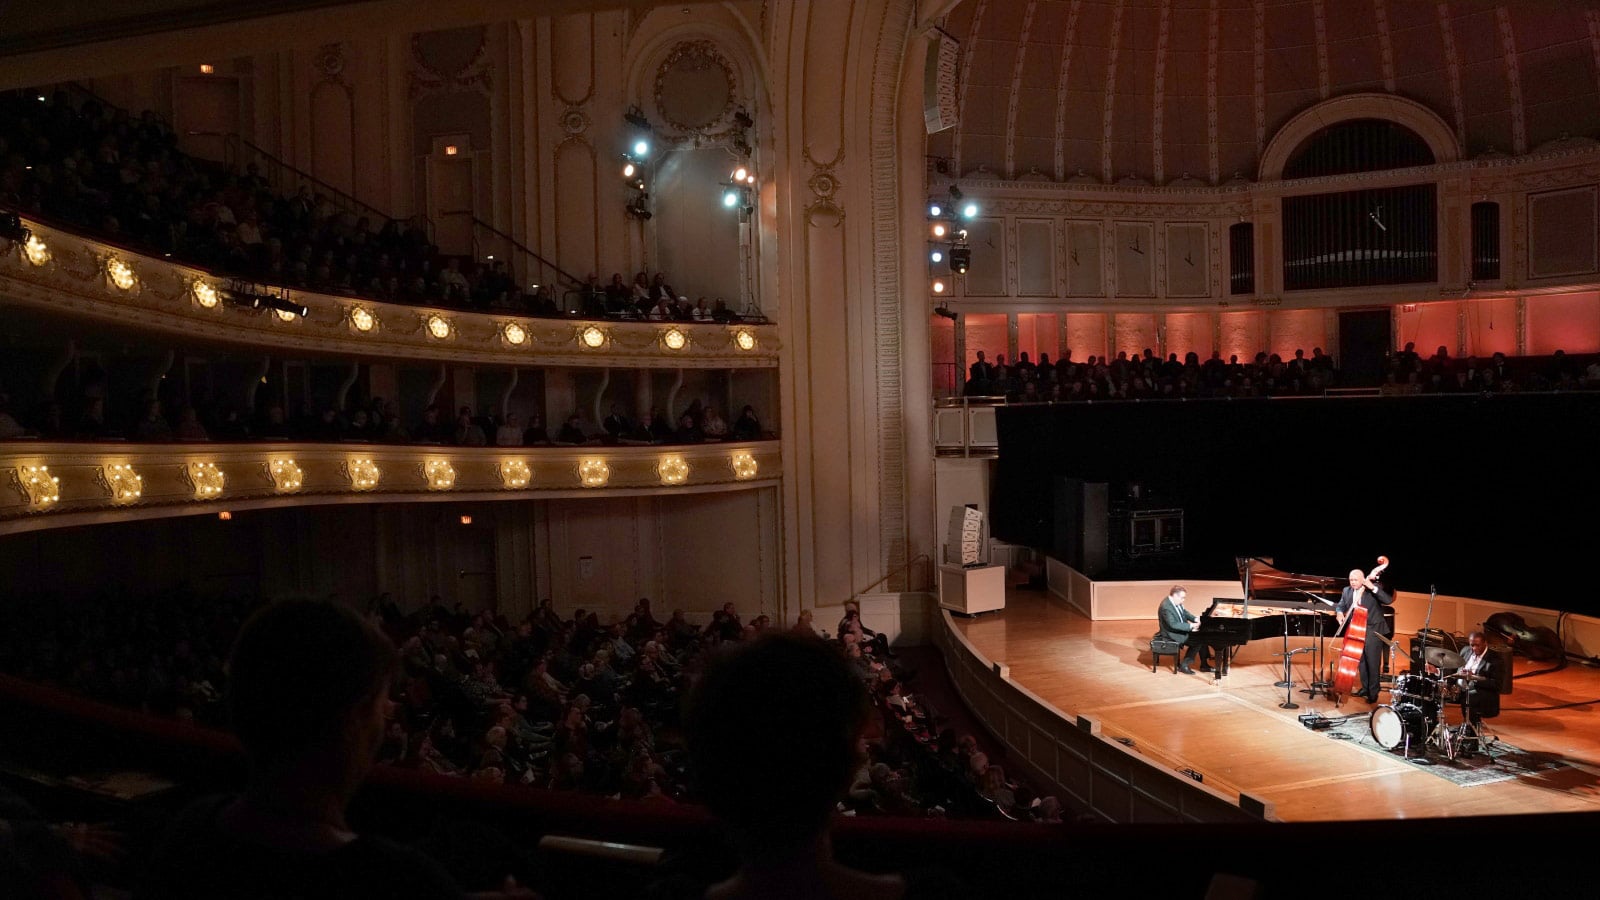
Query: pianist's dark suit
(1377, 624)
(1176, 626)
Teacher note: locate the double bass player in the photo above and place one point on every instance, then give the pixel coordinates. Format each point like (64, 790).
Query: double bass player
(1363, 592)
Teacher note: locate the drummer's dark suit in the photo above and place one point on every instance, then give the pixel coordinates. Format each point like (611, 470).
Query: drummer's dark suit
(1483, 697)
(1372, 652)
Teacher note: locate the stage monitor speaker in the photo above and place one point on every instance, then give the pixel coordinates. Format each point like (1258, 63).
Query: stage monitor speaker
(939, 81)
(1082, 525)
(964, 543)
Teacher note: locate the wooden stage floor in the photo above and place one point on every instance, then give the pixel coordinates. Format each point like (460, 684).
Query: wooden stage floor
(1235, 735)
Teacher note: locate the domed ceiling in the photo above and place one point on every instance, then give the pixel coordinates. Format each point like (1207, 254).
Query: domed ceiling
(1152, 91)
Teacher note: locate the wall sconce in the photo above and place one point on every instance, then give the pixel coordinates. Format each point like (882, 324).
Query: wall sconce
(440, 474)
(39, 488)
(206, 295)
(592, 337)
(364, 474)
(744, 465)
(125, 485)
(286, 474)
(207, 480)
(35, 251)
(593, 472)
(514, 473)
(438, 326)
(362, 319)
(673, 470)
(674, 339)
(514, 334)
(121, 274)
(744, 339)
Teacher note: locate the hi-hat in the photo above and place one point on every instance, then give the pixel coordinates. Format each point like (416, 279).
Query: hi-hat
(1443, 658)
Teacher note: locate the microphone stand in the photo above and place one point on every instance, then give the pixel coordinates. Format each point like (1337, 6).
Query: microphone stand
(1318, 651)
(1287, 681)
(1288, 693)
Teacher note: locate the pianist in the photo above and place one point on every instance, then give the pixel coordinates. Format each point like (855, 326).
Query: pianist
(1177, 625)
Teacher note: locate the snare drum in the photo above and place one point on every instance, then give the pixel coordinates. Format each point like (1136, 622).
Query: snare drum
(1391, 724)
(1418, 689)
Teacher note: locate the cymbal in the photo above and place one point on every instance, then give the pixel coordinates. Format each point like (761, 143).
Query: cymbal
(1443, 658)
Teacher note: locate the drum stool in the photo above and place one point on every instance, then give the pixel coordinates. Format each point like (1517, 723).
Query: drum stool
(1160, 648)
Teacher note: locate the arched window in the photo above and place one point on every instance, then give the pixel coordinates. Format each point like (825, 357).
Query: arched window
(1358, 145)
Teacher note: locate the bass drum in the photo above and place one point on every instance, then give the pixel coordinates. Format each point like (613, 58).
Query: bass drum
(1391, 724)
(1418, 689)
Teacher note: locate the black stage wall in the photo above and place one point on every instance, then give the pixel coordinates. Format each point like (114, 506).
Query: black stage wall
(1493, 497)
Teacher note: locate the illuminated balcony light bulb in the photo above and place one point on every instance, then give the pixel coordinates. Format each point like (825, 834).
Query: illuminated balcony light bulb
(744, 465)
(593, 472)
(741, 173)
(36, 251)
(744, 339)
(438, 327)
(125, 484)
(364, 474)
(208, 480)
(514, 473)
(41, 488)
(673, 470)
(592, 337)
(514, 334)
(286, 474)
(121, 274)
(285, 315)
(206, 295)
(674, 339)
(362, 319)
(441, 475)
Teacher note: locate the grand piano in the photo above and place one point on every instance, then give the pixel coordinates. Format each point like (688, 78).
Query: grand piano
(1277, 605)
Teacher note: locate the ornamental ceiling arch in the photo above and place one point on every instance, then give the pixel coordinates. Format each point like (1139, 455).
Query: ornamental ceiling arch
(690, 80)
(1187, 91)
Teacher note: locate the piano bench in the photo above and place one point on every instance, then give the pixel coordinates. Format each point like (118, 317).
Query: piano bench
(1160, 648)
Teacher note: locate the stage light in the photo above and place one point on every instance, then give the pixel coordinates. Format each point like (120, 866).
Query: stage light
(628, 169)
(938, 285)
(945, 312)
(750, 179)
(743, 119)
(740, 174)
(636, 118)
(936, 256)
(641, 148)
(960, 260)
(968, 211)
(730, 198)
(935, 210)
(288, 310)
(11, 227)
(939, 230)
(285, 315)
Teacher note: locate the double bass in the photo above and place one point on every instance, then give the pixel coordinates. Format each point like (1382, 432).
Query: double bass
(1348, 666)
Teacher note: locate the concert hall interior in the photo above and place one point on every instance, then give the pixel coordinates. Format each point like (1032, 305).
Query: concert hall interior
(412, 416)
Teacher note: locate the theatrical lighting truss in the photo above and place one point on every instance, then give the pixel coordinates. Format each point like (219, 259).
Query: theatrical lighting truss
(636, 157)
(12, 229)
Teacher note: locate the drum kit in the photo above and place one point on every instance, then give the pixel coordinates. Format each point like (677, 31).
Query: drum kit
(1416, 718)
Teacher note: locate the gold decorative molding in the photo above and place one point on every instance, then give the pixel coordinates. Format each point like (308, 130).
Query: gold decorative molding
(67, 274)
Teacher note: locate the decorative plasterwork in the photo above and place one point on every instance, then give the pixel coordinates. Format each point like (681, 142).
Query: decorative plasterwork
(574, 121)
(1319, 16)
(476, 74)
(111, 482)
(695, 55)
(1508, 50)
(823, 184)
(1069, 40)
(1213, 42)
(1108, 113)
(1159, 94)
(73, 281)
(1380, 12)
(1452, 65)
(330, 62)
(1016, 90)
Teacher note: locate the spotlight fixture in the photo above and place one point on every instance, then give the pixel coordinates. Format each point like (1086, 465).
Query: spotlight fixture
(742, 119)
(942, 310)
(638, 209)
(635, 117)
(936, 256)
(935, 210)
(969, 211)
(939, 230)
(938, 285)
(730, 198)
(742, 146)
(283, 304)
(960, 259)
(628, 169)
(741, 173)
(641, 148)
(955, 193)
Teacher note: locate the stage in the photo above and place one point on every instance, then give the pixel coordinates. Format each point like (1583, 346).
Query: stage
(1236, 739)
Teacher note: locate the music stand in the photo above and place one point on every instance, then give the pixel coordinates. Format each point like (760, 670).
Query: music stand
(1287, 681)
(1319, 654)
(1288, 694)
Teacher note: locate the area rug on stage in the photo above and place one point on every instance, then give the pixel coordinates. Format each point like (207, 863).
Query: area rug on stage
(1501, 762)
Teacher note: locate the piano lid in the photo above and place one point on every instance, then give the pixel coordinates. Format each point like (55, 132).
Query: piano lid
(1262, 580)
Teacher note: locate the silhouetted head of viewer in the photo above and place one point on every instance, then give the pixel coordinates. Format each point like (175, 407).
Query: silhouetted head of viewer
(773, 730)
(314, 713)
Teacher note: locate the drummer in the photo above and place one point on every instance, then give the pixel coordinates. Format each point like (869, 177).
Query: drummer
(1478, 680)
